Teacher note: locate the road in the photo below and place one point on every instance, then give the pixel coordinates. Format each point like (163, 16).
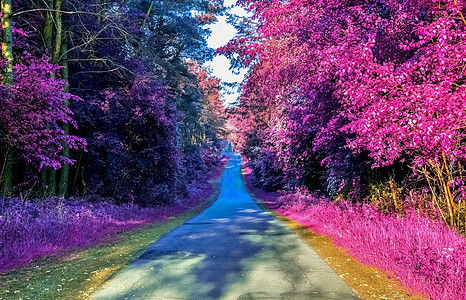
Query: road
(233, 250)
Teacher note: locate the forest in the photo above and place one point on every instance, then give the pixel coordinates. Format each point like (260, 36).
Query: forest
(105, 104)
(351, 120)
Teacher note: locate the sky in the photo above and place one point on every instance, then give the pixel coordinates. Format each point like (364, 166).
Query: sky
(222, 32)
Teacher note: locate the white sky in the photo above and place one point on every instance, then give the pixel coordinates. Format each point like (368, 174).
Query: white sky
(222, 32)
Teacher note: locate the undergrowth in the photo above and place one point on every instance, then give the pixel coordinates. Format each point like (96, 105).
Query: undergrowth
(424, 254)
(68, 248)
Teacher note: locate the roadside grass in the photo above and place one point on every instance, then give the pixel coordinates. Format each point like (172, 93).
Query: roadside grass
(77, 274)
(368, 282)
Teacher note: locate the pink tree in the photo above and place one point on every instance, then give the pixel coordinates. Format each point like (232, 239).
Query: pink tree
(381, 77)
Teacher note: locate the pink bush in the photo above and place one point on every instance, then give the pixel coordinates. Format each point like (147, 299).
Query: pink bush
(427, 256)
(298, 201)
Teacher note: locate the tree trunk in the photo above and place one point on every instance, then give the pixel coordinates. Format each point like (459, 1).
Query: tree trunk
(65, 170)
(52, 182)
(7, 42)
(48, 28)
(44, 178)
(6, 176)
(59, 34)
(7, 79)
(60, 57)
(55, 53)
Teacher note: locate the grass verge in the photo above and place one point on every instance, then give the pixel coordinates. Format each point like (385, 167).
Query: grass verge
(77, 274)
(367, 281)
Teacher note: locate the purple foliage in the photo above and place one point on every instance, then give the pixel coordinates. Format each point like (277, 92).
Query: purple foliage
(31, 111)
(268, 175)
(132, 132)
(32, 229)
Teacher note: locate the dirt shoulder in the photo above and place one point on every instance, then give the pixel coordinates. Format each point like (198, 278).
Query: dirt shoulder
(367, 281)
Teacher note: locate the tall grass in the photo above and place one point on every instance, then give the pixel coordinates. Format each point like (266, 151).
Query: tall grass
(32, 229)
(426, 255)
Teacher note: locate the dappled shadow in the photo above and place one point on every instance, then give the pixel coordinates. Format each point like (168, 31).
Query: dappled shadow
(233, 249)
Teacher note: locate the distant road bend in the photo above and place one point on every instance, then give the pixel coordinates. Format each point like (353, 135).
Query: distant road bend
(233, 250)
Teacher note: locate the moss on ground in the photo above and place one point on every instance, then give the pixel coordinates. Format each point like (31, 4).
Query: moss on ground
(77, 274)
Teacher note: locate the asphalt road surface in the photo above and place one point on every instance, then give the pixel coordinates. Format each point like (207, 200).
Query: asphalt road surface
(233, 250)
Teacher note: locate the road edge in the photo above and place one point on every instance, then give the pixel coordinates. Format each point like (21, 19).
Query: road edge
(177, 221)
(367, 282)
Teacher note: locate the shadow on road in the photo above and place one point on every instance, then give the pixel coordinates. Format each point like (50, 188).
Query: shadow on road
(232, 250)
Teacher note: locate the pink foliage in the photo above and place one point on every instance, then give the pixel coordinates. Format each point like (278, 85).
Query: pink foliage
(413, 108)
(426, 256)
(32, 110)
(341, 78)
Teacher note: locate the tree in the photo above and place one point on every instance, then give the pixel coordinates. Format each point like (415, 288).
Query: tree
(7, 79)
(374, 84)
(145, 107)
(30, 99)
